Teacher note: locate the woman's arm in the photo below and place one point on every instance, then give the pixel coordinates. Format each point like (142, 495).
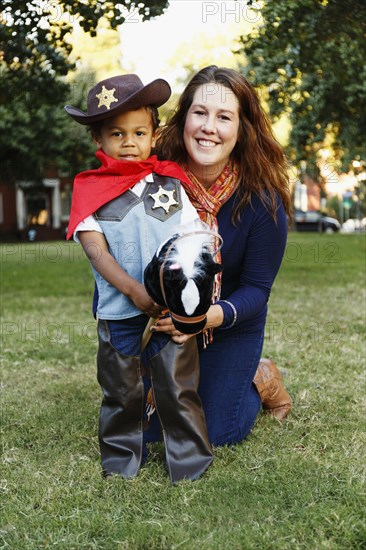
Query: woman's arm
(252, 263)
(96, 249)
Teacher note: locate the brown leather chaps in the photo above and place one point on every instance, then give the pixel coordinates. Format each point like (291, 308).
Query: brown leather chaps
(174, 379)
(120, 419)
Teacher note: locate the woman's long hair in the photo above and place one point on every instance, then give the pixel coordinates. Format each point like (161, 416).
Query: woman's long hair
(261, 160)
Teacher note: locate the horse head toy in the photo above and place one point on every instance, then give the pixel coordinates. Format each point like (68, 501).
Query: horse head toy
(181, 276)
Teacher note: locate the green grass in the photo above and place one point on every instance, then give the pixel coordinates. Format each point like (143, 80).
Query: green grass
(291, 485)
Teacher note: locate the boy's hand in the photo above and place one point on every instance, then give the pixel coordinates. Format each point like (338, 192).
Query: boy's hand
(143, 302)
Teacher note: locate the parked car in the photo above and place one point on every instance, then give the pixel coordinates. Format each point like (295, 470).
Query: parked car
(330, 225)
(315, 221)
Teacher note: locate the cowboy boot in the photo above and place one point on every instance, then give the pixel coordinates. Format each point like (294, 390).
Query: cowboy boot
(174, 379)
(120, 420)
(271, 389)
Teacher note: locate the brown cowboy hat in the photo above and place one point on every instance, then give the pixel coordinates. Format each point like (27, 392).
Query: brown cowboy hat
(119, 94)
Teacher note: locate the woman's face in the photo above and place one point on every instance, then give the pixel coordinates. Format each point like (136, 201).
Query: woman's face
(211, 130)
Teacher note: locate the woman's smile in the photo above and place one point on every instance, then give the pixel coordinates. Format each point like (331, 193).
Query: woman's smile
(205, 143)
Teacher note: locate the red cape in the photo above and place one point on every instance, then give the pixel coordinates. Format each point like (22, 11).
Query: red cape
(94, 188)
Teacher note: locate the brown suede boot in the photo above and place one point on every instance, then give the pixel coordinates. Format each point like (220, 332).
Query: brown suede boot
(268, 381)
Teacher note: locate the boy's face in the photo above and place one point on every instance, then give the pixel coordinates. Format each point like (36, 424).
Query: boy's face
(128, 136)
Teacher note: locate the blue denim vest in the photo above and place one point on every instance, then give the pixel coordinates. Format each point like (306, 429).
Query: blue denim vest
(134, 227)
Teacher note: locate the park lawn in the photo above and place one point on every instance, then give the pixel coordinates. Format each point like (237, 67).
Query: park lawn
(290, 485)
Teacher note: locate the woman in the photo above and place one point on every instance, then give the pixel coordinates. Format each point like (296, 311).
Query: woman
(223, 140)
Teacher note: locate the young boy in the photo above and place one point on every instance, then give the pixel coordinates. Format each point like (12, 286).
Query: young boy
(121, 213)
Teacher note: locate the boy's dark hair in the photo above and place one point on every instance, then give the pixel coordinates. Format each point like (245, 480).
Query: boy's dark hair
(96, 127)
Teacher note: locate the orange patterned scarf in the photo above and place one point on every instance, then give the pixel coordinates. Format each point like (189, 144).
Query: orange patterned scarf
(209, 201)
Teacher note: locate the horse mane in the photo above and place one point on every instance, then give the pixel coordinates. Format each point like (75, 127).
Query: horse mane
(186, 251)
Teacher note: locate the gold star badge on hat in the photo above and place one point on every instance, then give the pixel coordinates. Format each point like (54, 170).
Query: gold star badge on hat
(166, 204)
(106, 97)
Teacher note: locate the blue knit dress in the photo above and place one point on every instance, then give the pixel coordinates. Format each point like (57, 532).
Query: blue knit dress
(251, 255)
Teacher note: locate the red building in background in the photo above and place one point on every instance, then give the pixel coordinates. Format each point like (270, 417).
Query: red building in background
(30, 212)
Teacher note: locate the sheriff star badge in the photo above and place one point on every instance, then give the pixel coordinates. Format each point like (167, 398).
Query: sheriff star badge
(166, 204)
(106, 97)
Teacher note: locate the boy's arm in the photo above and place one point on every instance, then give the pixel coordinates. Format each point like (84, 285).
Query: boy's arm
(96, 248)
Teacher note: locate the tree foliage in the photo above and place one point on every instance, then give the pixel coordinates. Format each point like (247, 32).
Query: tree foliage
(35, 32)
(35, 50)
(311, 56)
